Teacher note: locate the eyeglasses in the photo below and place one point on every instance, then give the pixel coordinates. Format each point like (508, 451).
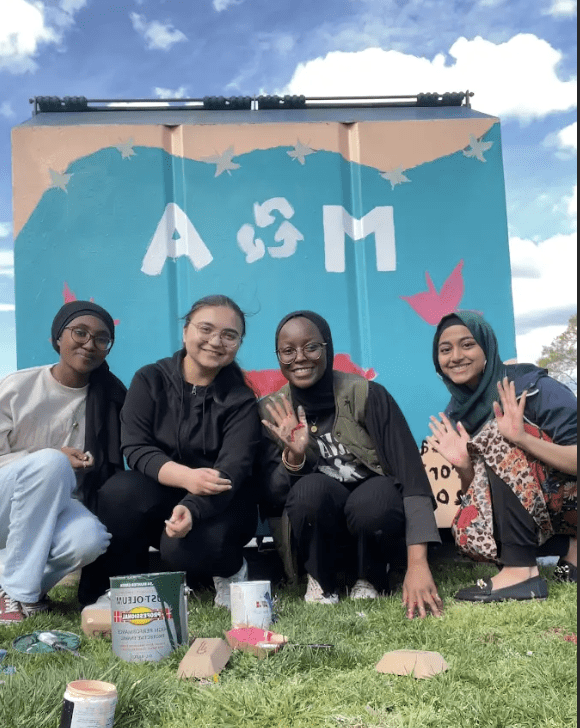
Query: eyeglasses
(82, 336)
(312, 351)
(228, 338)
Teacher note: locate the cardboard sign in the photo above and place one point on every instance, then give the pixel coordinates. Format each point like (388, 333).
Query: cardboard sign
(422, 665)
(445, 483)
(205, 657)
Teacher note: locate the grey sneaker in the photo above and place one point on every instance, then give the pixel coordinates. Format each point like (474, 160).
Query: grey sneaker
(222, 586)
(363, 589)
(316, 595)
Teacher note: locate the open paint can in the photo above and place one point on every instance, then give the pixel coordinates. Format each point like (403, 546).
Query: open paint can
(89, 704)
(148, 615)
(251, 604)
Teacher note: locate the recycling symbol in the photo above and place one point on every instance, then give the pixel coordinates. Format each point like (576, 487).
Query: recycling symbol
(254, 248)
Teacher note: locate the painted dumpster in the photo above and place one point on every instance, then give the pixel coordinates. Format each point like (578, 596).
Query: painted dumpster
(380, 219)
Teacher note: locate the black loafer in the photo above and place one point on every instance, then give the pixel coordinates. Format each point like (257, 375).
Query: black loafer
(483, 592)
(566, 572)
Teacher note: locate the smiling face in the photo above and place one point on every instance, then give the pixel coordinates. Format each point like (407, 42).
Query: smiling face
(78, 361)
(461, 358)
(297, 334)
(211, 339)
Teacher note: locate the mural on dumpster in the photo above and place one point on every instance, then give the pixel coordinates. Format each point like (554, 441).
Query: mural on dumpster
(381, 227)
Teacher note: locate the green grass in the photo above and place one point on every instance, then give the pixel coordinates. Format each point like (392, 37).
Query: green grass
(508, 668)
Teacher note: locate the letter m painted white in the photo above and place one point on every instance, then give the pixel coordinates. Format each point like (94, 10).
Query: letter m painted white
(338, 224)
(175, 237)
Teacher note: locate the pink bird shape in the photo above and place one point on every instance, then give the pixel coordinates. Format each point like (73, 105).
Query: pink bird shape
(69, 297)
(431, 305)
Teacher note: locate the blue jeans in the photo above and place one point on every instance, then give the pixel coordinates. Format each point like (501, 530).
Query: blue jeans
(44, 532)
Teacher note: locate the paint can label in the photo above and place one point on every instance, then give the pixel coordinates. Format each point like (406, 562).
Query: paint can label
(251, 604)
(148, 615)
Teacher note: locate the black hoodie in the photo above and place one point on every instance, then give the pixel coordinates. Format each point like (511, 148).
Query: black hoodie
(166, 420)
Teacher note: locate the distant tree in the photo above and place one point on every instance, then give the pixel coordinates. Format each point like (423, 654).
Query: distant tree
(561, 357)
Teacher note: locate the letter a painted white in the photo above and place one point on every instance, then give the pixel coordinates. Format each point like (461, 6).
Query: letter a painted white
(338, 224)
(163, 245)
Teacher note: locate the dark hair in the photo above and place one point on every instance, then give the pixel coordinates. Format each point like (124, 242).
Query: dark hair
(233, 372)
(217, 300)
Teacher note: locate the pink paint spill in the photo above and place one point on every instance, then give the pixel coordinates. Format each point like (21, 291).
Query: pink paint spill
(266, 381)
(70, 297)
(431, 305)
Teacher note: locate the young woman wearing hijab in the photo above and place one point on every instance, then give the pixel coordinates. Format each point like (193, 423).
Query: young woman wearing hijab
(190, 429)
(511, 433)
(343, 463)
(59, 441)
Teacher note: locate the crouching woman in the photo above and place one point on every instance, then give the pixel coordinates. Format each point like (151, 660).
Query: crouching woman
(59, 442)
(190, 428)
(511, 433)
(343, 463)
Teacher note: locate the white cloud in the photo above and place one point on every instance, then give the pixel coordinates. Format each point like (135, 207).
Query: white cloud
(159, 36)
(7, 263)
(72, 6)
(517, 78)
(167, 93)
(23, 29)
(565, 141)
(6, 110)
(572, 203)
(544, 282)
(7, 307)
(5, 229)
(221, 5)
(563, 8)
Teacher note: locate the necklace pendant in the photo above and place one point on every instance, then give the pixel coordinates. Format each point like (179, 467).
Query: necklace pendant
(313, 429)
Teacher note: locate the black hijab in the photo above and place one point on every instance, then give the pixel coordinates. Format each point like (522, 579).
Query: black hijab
(105, 398)
(320, 397)
(71, 311)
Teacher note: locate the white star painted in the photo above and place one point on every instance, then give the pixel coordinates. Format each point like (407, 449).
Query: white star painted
(300, 152)
(477, 148)
(223, 162)
(126, 149)
(59, 180)
(395, 177)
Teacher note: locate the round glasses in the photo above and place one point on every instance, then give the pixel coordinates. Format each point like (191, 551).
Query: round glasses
(228, 338)
(312, 351)
(82, 336)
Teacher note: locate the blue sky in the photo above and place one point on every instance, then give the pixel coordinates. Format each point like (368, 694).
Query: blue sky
(518, 57)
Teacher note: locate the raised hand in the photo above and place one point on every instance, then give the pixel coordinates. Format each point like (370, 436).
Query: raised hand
(292, 431)
(510, 415)
(449, 442)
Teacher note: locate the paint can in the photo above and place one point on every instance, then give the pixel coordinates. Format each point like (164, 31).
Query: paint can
(89, 704)
(251, 604)
(148, 615)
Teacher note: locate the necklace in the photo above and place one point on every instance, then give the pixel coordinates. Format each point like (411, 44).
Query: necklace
(314, 426)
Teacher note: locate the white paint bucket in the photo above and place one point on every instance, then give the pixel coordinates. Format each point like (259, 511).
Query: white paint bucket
(251, 604)
(148, 615)
(89, 704)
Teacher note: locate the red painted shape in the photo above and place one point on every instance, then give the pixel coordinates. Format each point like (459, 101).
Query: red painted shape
(69, 297)
(431, 305)
(266, 381)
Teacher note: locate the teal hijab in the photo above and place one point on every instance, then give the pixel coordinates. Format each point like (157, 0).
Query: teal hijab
(473, 409)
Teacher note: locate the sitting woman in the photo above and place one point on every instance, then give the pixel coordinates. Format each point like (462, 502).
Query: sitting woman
(59, 441)
(343, 463)
(190, 429)
(515, 458)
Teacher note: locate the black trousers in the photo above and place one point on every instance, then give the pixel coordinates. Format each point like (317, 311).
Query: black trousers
(327, 517)
(515, 531)
(134, 508)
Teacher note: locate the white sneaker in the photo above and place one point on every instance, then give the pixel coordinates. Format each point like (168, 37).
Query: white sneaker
(315, 595)
(363, 589)
(222, 586)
